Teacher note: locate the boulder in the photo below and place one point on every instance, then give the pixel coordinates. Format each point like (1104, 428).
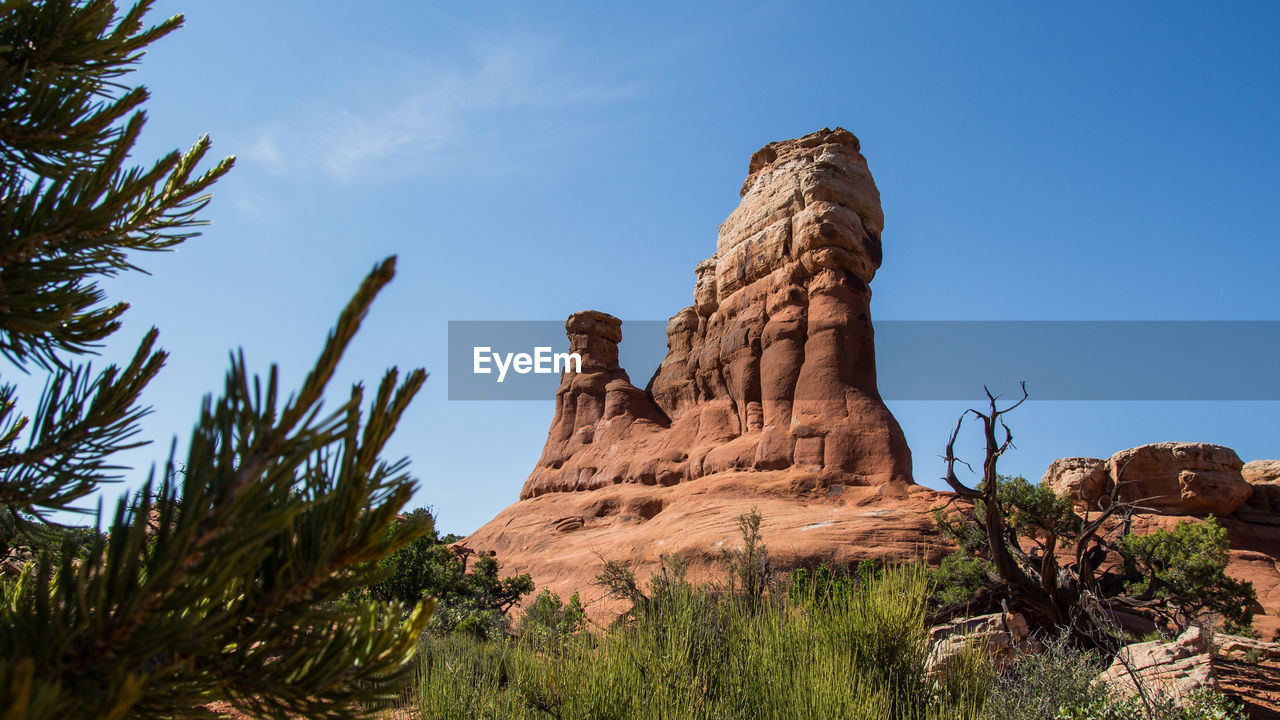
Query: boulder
(1173, 669)
(15, 560)
(1263, 505)
(1084, 479)
(1260, 472)
(1001, 635)
(1180, 478)
(1241, 648)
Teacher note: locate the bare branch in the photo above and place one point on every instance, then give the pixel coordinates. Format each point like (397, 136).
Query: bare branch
(1011, 408)
(951, 460)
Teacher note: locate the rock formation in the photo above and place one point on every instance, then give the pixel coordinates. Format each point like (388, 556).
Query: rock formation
(772, 367)
(1174, 669)
(1263, 504)
(767, 398)
(1084, 479)
(1001, 635)
(1170, 478)
(1260, 472)
(1186, 478)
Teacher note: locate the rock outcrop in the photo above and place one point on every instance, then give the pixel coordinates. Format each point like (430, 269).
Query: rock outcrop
(1169, 478)
(1261, 472)
(1181, 478)
(1174, 669)
(1185, 482)
(771, 368)
(1263, 504)
(1084, 479)
(1000, 635)
(767, 398)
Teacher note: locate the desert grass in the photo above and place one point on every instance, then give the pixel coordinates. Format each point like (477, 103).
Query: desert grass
(692, 653)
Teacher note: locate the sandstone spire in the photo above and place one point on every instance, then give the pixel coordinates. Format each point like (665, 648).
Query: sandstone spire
(771, 368)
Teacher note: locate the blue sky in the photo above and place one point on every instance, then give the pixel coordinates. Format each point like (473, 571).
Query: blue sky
(527, 160)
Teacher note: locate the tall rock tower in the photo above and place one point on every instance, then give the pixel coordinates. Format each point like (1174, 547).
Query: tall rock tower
(772, 367)
(767, 398)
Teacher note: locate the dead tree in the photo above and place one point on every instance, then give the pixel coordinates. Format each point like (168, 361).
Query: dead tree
(1084, 574)
(1032, 582)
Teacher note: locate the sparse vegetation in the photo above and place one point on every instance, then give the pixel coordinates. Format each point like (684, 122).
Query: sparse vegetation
(1038, 685)
(551, 622)
(748, 565)
(697, 652)
(1200, 705)
(824, 644)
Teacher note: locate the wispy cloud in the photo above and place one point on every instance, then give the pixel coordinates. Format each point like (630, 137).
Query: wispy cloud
(425, 111)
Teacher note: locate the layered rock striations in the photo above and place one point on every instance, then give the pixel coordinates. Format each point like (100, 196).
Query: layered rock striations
(771, 368)
(766, 399)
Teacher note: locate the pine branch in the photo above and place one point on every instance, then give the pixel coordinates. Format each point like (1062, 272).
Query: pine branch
(229, 592)
(70, 211)
(221, 579)
(80, 422)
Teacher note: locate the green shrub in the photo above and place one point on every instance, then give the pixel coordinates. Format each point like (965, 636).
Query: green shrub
(1199, 705)
(1186, 568)
(472, 601)
(1039, 684)
(820, 586)
(748, 565)
(29, 537)
(958, 577)
(548, 621)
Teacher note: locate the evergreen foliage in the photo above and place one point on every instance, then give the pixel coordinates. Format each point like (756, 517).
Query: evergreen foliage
(1186, 569)
(72, 212)
(27, 536)
(959, 577)
(479, 603)
(472, 600)
(219, 581)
